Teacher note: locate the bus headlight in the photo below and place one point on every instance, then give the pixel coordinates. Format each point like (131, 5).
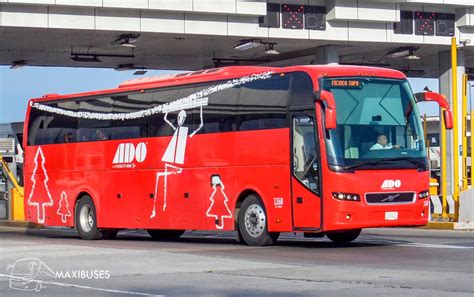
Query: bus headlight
(345, 196)
(424, 194)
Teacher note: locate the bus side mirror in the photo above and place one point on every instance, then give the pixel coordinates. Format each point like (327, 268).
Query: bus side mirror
(448, 119)
(330, 113)
(442, 102)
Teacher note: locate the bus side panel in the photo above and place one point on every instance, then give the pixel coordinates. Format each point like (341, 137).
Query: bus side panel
(252, 160)
(125, 192)
(272, 184)
(185, 199)
(50, 195)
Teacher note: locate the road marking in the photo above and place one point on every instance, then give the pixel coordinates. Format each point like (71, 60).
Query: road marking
(387, 242)
(83, 287)
(436, 246)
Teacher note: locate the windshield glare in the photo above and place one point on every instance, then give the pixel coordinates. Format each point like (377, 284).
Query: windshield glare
(378, 124)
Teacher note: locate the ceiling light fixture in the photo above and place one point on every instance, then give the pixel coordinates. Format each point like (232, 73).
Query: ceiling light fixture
(18, 64)
(85, 58)
(270, 50)
(412, 56)
(140, 72)
(247, 44)
(125, 67)
(126, 40)
(89, 57)
(402, 52)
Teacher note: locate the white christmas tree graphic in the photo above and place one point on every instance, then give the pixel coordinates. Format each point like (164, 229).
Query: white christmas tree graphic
(40, 197)
(63, 209)
(219, 210)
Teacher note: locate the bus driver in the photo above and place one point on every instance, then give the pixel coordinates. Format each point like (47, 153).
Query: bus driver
(382, 143)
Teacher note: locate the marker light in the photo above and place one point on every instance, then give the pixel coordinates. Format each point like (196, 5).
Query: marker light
(424, 194)
(346, 196)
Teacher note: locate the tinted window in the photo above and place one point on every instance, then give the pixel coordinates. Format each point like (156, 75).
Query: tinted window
(257, 105)
(46, 128)
(301, 90)
(263, 104)
(159, 127)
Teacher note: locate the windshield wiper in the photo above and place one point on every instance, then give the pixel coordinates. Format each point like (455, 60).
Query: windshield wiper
(409, 159)
(348, 167)
(420, 164)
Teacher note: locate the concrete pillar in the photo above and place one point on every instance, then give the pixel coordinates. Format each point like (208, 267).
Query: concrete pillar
(445, 86)
(327, 55)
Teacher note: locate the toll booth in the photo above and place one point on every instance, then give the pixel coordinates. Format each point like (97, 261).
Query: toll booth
(11, 136)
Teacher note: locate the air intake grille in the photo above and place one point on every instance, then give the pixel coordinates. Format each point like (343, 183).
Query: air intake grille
(385, 198)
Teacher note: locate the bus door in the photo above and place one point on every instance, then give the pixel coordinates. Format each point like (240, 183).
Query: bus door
(305, 183)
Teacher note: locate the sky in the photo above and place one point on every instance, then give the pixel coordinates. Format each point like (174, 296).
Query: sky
(17, 86)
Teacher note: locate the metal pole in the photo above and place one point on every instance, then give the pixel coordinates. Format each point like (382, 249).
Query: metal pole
(425, 129)
(443, 146)
(454, 75)
(464, 132)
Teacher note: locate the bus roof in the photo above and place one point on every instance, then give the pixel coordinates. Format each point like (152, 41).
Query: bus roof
(231, 72)
(220, 73)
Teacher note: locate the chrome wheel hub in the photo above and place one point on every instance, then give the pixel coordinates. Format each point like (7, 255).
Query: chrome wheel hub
(86, 218)
(255, 220)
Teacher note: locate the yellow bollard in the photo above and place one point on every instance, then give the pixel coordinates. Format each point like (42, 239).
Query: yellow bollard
(443, 168)
(454, 75)
(18, 205)
(464, 132)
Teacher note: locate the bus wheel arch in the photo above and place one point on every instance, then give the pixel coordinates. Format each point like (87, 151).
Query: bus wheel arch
(238, 203)
(85, 217)
(252, 220)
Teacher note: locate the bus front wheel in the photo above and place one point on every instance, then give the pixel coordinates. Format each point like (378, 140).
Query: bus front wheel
(253, 227)
(86, 219)
(343, 236)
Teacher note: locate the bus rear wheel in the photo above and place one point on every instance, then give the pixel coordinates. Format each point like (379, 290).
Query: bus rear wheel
(343, 236)
(253, 227)
(157, 234)
(86, 219)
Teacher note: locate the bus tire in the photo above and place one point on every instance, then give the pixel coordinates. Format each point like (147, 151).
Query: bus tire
(157, 234)
(344, 236)
(253, 226)
(86, 219)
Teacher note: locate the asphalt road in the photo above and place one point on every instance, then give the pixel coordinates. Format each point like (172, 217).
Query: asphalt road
(381, 262)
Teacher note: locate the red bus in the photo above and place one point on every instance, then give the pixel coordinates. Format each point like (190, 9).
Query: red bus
(324, 150)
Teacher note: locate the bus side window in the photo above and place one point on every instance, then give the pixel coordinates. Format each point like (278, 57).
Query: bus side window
(263, 104)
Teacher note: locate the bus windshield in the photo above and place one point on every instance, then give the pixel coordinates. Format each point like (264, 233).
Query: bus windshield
(378, 125)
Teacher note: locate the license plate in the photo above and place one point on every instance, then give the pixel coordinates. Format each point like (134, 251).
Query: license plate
(391, 215)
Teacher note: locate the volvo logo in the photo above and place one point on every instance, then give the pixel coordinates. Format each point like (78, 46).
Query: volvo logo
(390, 198)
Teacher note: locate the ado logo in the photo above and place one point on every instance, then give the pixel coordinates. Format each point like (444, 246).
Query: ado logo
(127, 153)
(390, 184)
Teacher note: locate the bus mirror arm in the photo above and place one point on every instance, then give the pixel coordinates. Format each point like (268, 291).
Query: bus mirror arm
(330, 112)
(442, 102)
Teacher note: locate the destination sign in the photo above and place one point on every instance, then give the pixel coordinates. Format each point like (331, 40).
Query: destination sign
(346, 83)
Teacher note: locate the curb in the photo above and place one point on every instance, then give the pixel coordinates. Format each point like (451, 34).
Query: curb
(21, 224)
(460, 226)
(433, 225)
(466, 226)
